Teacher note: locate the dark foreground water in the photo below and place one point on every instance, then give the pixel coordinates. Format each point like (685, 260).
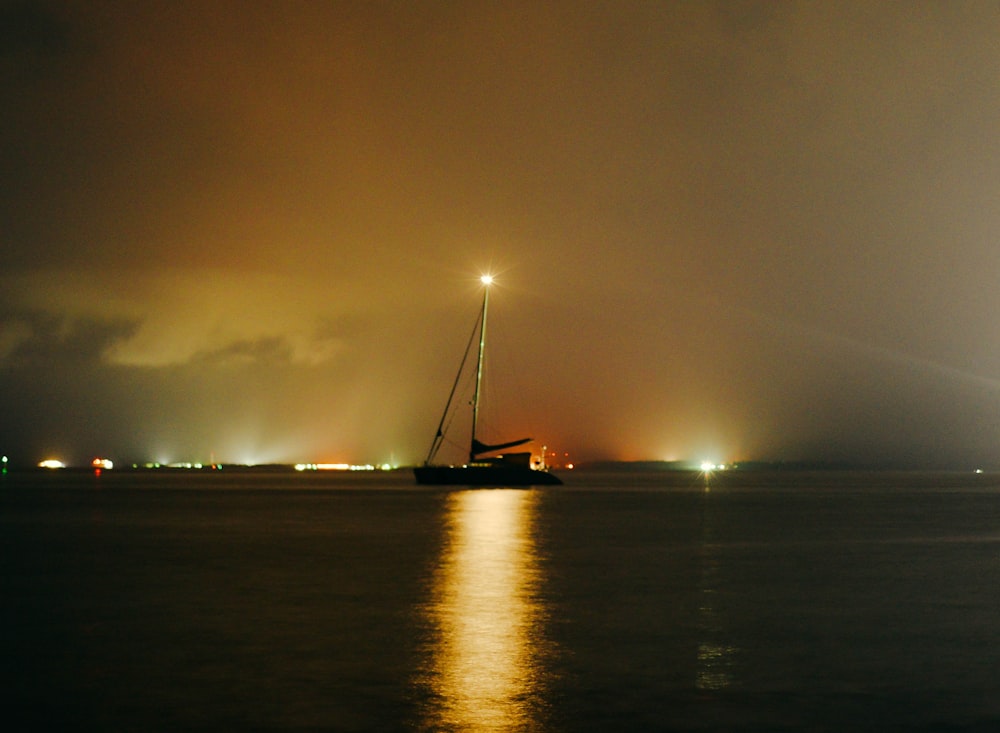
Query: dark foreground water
(217, 601)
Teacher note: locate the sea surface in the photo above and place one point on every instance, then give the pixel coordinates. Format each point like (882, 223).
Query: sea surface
(622, 601)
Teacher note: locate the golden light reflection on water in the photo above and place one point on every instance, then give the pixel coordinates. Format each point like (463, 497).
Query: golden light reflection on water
(715, 667)
(484, 667)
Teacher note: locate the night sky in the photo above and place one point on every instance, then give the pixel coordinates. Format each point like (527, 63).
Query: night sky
(720, 230)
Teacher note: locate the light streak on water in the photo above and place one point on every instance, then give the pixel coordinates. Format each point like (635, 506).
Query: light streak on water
(485, 670)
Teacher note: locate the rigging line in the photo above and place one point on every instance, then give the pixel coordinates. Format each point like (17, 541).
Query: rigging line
(447, 423)
(439, 435)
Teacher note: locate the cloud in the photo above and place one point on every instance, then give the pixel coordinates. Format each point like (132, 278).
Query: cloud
(159, 319)
(30, 339)
(247, 197)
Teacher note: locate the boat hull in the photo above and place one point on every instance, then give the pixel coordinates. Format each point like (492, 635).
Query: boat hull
(493, 476)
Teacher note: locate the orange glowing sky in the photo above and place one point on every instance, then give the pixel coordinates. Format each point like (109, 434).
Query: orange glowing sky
(721, 230)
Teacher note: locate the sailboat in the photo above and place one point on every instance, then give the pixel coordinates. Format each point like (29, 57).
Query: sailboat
(486, 466)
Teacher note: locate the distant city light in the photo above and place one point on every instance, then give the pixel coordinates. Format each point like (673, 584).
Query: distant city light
(341, 467)
(51, 463)
(102, 463)
(708, 466)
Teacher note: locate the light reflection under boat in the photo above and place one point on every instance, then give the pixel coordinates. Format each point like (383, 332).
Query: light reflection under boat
(485, 668)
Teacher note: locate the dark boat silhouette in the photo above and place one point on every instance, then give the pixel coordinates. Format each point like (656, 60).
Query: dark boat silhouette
(482, 468)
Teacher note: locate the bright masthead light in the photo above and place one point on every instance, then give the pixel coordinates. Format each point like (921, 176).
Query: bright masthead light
(486, 279)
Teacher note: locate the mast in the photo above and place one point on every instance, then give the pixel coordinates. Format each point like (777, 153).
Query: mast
(486, 280)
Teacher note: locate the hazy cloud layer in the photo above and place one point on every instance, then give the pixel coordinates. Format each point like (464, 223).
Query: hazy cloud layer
(740, 229)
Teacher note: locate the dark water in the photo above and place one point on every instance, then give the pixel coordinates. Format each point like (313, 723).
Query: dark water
(826, 602)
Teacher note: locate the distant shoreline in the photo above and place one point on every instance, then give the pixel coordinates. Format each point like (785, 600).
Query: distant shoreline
(607, 465)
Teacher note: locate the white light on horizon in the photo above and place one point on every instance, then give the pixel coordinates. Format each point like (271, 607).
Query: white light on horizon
(708, 466)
